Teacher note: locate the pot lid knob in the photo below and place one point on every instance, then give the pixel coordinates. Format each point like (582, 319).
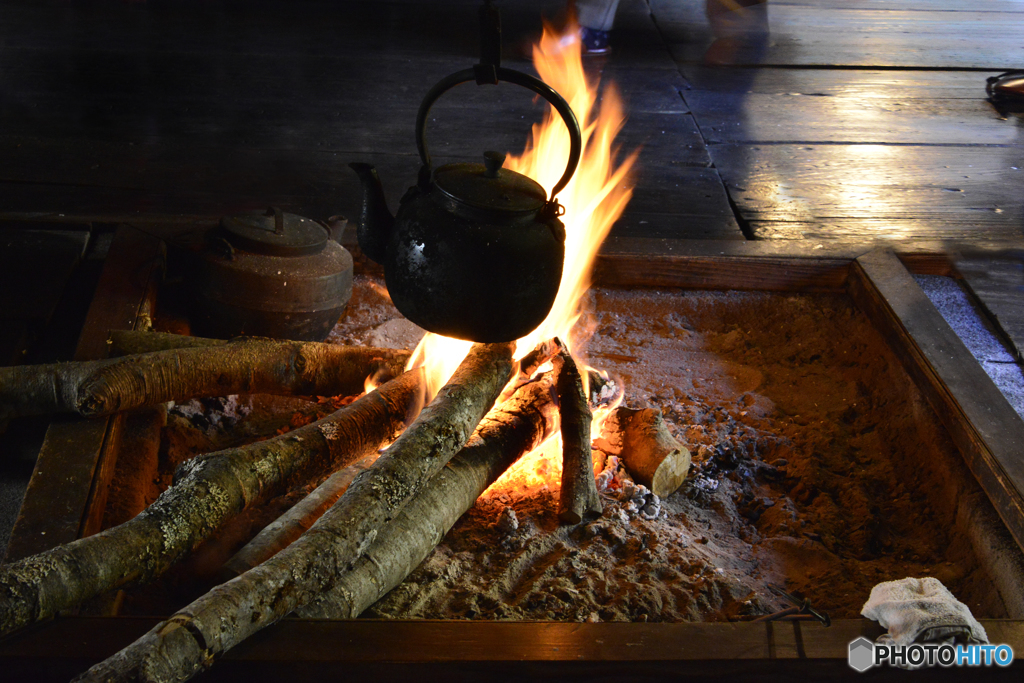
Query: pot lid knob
(493, 162)
(275, 233)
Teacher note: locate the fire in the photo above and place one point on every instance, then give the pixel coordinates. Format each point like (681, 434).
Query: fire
(593, 201)
(596, 195)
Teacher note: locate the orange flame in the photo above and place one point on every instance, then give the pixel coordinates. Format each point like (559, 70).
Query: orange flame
(597, 193)
(593, 201)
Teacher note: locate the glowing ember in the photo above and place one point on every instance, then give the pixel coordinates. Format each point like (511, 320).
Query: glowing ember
(593, 200)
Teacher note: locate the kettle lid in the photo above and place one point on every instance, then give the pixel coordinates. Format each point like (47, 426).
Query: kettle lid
(490, 187)
(275, 233)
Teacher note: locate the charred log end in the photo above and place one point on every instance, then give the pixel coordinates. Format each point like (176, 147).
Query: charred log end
(570, 517)
(651, 455)
(92, 401)
(671, 473)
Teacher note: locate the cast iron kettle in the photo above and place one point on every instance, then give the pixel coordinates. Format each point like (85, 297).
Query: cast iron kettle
(475, 251)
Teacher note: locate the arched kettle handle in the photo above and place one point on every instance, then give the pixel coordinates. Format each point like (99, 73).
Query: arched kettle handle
(518, 78)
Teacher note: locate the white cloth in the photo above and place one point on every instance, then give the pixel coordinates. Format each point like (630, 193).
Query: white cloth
(921, 610)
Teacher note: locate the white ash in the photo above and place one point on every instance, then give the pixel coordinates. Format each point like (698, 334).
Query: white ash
(744, 381)
(612, 475)
(639, 500)
(212, 414)
(397, 333)
(704, 484)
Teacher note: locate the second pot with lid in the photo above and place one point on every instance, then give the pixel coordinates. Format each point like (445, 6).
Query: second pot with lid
(271, 274)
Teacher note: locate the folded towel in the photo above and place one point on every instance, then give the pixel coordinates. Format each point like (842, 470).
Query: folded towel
(921, 610)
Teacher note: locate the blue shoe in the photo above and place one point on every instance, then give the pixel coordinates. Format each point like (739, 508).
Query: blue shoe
(595, 42)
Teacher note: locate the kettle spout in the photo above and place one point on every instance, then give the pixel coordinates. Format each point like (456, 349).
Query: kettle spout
(375, 221)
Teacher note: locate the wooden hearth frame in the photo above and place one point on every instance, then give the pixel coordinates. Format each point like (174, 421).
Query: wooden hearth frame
(67, 495)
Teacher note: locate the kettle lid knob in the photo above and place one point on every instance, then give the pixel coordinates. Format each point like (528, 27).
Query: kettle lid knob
(492, 163)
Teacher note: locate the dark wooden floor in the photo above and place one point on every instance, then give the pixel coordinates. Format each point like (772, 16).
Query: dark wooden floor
(854, 119)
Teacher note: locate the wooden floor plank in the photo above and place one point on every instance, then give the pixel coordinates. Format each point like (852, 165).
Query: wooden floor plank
(712, 271)
(997, 280)
(121, 110)
(958, 188)
(741, 117)
(138, 109)
(830, 36)
(870, 84)
(316, 650)
(676, 226)
(59, 493)
(121, 177)
(315, 102)
(34, 267)
(949, 233)
(911, 5)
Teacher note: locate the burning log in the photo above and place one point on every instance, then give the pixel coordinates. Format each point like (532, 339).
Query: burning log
(508, 432)
(102, 387)
(578, 497)
(545, 351)
(650, 454)
(208, 490)
(187, 642)
(280, 533)
(531, 363)
(289, 526)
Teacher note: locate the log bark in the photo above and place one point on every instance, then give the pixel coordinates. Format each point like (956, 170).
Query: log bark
(208, 490)
(651, 455)
(280, 533)
(186, 643)
(131, 342)
(283, 531)
(508, 432)
(102, 387)
(578, 498)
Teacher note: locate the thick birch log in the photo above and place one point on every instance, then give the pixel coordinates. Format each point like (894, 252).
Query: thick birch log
(131, 342)
(208, 490)
(289, 526)
(102, 387)
(508, 432)
(180, 647)
(280, 533)
(650, 454)
(578, 497)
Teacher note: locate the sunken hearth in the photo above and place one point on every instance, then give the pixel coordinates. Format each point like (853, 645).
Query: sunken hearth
(817, 468)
